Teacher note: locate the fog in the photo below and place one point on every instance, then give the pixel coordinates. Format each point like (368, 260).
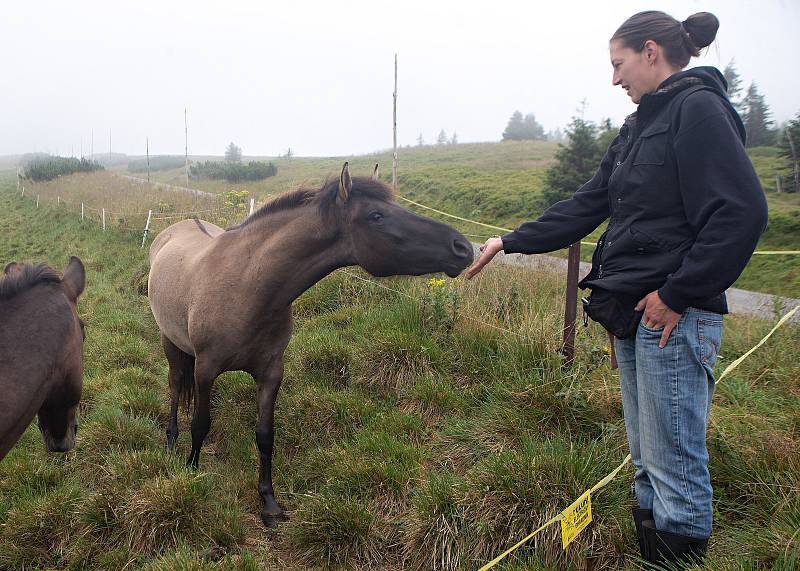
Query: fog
(317, 77)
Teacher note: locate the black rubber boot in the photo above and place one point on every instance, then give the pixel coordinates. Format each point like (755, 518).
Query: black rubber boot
(640, 515)
(665, 546)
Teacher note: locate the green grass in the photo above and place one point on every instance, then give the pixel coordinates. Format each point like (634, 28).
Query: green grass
(401, 442)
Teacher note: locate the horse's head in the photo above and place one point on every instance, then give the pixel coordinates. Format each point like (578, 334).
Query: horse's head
(57, 419)
(387, 239)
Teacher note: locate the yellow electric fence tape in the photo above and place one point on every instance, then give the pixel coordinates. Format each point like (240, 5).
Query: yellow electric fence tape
(736, 363)
(443, 213)
(576, 517)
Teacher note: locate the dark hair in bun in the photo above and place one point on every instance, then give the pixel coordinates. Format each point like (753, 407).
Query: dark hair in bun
(680, 40)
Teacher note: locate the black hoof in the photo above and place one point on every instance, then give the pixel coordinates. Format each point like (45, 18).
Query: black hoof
(273, 520)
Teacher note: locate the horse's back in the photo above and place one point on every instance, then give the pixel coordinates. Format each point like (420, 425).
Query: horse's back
(176, 257)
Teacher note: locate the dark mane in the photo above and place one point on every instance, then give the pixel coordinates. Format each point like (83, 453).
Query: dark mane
(26, 277)
(324, 197)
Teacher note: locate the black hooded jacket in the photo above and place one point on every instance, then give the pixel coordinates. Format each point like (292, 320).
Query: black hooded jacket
(685, 205)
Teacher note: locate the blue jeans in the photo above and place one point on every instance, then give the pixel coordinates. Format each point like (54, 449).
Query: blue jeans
(666, 398)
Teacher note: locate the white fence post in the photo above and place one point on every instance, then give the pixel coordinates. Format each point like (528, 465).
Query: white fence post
(23, 191)
(37, 201)
(104, 219)
(146, 227)
(59, 200)
(252, 205)
(81, 211)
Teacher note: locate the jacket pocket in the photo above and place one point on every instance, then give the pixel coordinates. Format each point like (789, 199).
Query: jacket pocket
(652, 145)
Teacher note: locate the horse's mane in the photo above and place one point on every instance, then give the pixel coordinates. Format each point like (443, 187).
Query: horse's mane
(26, 277)
(325, 197)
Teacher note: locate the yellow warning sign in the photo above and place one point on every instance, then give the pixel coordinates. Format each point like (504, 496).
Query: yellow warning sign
(576, 517)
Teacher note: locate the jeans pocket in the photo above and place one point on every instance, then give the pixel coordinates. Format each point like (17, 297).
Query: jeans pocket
(709, 333)
(660, 330)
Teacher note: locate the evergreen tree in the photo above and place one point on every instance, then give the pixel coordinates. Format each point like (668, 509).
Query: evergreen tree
(520, 129)
(454, 139)
(514, 128)
(734, 85)
(606, 134)
(531, 129)
(420, 140)
(756, 118)
(442, 138)
(233, 153)
(576, 162)
(790, 152)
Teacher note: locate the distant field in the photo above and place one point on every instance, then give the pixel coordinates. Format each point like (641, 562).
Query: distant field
(498, 183)
(494, 183)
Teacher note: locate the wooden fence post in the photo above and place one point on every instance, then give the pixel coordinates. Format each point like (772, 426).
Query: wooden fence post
(570, 305)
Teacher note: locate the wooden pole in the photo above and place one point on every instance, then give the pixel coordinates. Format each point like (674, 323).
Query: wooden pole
(186, 132)
(570, 305)
(147, 150)
(394, 130)
(146, 227)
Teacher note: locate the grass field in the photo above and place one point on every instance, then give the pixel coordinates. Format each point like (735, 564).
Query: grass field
(409, 436)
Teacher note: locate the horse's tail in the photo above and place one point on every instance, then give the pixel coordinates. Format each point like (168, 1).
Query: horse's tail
(186, 387)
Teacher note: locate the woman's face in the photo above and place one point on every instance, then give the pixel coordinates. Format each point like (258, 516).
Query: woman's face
(633, 71)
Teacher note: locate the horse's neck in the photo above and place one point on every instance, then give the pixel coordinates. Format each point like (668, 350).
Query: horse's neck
(290, 251)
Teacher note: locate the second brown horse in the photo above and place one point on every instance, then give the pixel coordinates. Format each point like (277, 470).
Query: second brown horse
(222, 299)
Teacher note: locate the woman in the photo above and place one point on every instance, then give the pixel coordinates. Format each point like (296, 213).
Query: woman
(686, 211)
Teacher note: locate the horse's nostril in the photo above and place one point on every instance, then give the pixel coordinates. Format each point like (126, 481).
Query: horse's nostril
(462, 248)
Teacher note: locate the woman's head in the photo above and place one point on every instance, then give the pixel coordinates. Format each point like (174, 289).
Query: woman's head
(650, 46)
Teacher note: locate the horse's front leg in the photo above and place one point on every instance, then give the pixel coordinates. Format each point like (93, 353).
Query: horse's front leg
(204, 375)
(268, 382)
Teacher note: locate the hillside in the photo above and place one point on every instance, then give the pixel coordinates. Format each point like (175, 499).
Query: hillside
(499, 183)
(408, 437)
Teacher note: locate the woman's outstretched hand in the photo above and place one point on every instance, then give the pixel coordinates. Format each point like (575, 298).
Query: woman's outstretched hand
(488, 251)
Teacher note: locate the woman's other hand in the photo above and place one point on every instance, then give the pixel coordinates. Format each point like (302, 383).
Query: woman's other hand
(488, 251)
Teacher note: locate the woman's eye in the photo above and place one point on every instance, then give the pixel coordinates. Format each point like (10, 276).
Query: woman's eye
(375, 216)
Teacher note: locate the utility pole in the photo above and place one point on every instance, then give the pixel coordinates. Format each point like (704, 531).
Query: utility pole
(109, 146)
(186, 131)
(92, 144)
(394, 123)
(147, 150)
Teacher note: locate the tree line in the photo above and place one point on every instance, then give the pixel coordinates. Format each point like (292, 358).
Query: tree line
(48, 168)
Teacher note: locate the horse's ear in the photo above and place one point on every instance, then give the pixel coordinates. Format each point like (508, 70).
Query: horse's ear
(74, 278)
(375, 172)
(10, 267)
(345, 183)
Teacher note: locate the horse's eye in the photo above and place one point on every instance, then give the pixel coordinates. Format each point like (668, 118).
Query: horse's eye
(375, 216)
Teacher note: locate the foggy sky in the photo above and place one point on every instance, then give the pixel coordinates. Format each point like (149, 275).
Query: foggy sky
(318, 76)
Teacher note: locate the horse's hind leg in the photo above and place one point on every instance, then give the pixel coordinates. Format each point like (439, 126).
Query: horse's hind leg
(181, 384)
(204, 374)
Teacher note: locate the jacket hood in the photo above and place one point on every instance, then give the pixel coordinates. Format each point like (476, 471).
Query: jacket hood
(710, 76)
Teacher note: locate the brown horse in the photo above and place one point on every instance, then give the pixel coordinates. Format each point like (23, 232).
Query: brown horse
(41, 353)
(222, 299)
